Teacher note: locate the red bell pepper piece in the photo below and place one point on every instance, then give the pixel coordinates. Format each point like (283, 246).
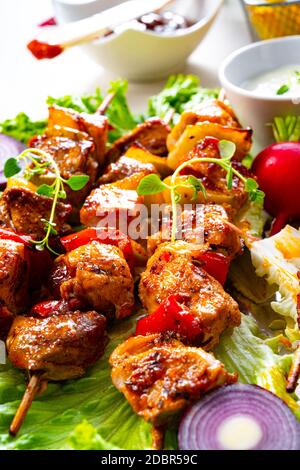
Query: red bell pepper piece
(215, 264)
(171, 316)
(107, 236)
(10, 235)
(49, 307)
(45, 309)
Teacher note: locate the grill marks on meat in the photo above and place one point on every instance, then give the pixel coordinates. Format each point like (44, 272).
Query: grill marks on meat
(212, 111)
(110, 202)
(62, 347)
(94, 125)
(14, 276)
(160, 377)
(23, 210)
(204, 224)
(73, 158)
(151, 134)
(123, 168)
(175, 269)
(98, 275)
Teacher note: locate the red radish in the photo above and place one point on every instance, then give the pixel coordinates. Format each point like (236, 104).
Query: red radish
(277, 169)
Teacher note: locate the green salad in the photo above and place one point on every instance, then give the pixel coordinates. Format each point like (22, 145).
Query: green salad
(90, 413)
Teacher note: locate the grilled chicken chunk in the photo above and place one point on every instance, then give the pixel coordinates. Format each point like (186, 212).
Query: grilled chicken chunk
(160, 376)
(95, 125)
(151, 134)
(23, 211)
(74, 156)
(60, 347)
(204, 224)
(213, 178)
(211, 111)
(97, 275)
(112, 203)
(175, 268)
(123, 168)
(14, 276)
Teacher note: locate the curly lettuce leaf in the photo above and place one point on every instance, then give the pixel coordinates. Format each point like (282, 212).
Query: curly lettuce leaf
(22, 127)
(119, 115)
(278, 260)
(82, 104)
(181, 93)
(246, 352)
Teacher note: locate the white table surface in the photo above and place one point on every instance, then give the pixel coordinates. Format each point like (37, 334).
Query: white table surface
(25, 82)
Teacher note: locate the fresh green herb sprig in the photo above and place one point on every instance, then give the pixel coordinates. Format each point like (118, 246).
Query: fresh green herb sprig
(40, 163)
(152, 184)
(285, 87)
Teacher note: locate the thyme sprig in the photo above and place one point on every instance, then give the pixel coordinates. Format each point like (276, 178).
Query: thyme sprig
(39, 162)
(152, 184)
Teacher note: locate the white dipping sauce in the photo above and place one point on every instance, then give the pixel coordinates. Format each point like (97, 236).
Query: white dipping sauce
(270, 83)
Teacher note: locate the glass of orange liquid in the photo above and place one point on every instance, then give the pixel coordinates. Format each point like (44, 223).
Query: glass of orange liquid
(272, 19)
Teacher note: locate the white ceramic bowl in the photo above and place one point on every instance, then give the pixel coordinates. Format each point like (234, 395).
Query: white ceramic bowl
(249, 62)
(144, 56)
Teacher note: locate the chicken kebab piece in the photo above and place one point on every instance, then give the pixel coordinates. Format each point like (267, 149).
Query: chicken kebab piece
(137, 154)
(179, 295)
(23, 270)
(55, 342)
(77, 143)
(97, 275)
(213, 118)
(160, 377)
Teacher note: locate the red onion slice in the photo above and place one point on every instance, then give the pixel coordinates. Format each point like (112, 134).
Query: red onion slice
(9, 147)
(239, 417)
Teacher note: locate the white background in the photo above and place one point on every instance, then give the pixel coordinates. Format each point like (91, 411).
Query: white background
(25, 82)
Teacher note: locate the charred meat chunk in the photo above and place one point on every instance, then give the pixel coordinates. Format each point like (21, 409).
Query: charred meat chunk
(175, 269)
(14, 276)
(123, 168)
(151, 134)
(24, 211)
(160, 376)
(60, 347)
(97, 275)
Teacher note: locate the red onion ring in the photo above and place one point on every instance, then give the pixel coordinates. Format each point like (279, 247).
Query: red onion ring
(280, 430)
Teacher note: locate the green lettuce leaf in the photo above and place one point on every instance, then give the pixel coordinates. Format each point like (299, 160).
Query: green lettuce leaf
(118, 112)
(82, 104)
(22, 127)
(246, 352)
(181, 93)
(278, 260)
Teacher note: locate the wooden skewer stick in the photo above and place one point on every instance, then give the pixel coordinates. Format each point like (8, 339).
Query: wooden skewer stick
(294, 373)
(158, 437)
(104, 105)
(31, 391)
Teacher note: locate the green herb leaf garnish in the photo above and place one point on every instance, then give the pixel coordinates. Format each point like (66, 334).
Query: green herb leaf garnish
(151, 184)
(283, 89)
(197, 186)
(77, 182)
(227, 149)
(11, 167)
(40, 163)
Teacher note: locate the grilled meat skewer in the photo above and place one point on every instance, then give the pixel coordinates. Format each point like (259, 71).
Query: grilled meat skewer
(160, 376)
(59, 347)
(97, 275)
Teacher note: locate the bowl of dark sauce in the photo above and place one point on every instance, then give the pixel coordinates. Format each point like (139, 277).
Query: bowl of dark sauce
(151, 46)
